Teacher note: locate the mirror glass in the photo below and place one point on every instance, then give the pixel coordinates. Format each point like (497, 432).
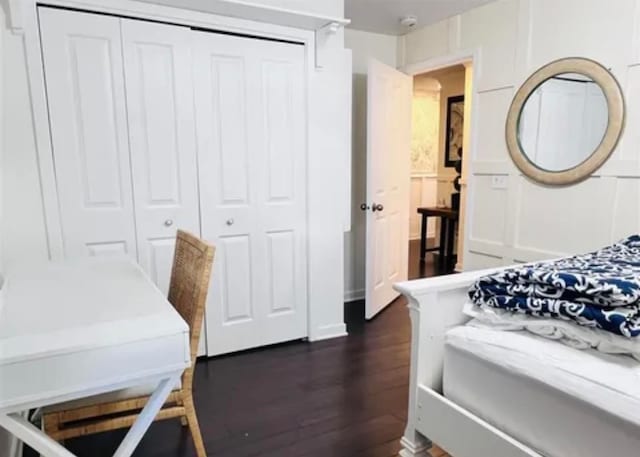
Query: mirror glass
(563, 122)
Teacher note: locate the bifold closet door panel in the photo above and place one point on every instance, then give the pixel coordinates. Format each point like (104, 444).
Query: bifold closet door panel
(85, 89)
(159, 88)
(251, 123)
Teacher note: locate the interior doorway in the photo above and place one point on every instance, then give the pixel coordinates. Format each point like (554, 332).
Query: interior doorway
(440, 133)
(415, 171)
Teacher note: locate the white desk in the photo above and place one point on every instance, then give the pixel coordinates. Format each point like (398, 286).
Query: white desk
(75, 329)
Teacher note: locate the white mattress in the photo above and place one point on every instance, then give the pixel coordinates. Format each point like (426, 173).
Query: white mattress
(560, 401)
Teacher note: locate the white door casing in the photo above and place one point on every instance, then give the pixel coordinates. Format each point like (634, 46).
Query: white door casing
(389, 95)
(252, 164)
(160, 107)
(85, 87)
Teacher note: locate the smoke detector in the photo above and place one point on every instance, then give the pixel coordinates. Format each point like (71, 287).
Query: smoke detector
(409, 21)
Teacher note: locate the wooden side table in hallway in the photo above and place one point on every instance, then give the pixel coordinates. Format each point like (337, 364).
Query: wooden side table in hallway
(448, 220)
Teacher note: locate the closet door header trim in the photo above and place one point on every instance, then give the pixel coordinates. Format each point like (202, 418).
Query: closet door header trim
(175, 24)
(132, 9)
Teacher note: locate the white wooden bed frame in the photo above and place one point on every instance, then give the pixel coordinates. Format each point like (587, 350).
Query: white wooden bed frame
(435, 306)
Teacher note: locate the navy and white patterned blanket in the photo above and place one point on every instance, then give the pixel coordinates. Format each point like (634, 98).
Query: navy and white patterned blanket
(600, 289)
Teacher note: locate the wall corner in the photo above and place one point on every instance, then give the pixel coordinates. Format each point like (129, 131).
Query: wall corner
(401, 47)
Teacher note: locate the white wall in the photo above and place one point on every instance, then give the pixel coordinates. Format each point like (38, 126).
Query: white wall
(529, 221)
(364, 46)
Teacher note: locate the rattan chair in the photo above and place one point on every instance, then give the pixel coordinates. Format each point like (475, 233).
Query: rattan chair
(190, 278)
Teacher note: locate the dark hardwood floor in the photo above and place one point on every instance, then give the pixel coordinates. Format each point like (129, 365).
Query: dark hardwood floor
(345, 397)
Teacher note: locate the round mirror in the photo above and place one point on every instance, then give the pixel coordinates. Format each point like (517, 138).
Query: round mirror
(565, 121)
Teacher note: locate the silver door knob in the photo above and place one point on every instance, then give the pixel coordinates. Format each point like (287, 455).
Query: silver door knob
(377, 207)
(168, 223)
(230, 222)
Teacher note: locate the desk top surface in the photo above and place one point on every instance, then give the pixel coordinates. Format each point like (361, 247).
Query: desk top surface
(81, 304)
(435, 211)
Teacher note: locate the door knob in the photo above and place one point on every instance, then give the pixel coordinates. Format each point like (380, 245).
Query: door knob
(377, 207)
(364, 207)
(168, 223)
(230, 222)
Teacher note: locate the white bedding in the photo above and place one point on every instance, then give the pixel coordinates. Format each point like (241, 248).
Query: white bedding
(566, 332)
(558, 400)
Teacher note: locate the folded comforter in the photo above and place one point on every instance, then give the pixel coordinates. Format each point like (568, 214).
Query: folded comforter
(600, 289)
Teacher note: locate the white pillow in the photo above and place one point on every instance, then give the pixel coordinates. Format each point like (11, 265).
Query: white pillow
(566, 332)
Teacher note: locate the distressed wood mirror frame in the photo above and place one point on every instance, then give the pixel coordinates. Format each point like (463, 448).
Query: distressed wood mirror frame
(615, 105)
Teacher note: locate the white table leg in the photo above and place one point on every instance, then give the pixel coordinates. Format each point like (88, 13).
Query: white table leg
(146, 417)
(34, 437)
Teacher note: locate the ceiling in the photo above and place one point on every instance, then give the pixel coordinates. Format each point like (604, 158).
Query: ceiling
(383, 16)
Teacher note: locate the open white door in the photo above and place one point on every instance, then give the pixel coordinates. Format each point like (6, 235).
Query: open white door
(389, 94)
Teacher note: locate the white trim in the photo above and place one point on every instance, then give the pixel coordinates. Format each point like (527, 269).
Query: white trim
(287, 17)
(39, 110)
(424, 174)
(437, 63)
(179, 16)
(245, 18)
(353, 295)
(329, 331)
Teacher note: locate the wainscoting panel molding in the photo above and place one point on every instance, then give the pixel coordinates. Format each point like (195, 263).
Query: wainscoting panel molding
(524, 220)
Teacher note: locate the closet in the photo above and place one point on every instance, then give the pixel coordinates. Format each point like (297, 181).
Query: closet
(156, 127)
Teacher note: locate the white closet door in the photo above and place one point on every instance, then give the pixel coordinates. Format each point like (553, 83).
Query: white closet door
(84, 79)
(252, 148)
(158, 74)
(158, 69)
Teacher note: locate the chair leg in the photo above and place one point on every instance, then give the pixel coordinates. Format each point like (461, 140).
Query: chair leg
(192, 419)
(183, 419)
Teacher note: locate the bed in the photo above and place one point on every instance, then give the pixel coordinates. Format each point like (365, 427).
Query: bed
(486, 393)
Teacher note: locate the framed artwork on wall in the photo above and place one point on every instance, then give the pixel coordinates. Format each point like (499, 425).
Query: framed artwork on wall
(454, 132)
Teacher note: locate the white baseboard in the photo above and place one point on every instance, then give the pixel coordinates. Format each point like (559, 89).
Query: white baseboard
(329, 331)
(353, 295)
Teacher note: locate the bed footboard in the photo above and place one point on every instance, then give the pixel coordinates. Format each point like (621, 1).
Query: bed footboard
(435, 305)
